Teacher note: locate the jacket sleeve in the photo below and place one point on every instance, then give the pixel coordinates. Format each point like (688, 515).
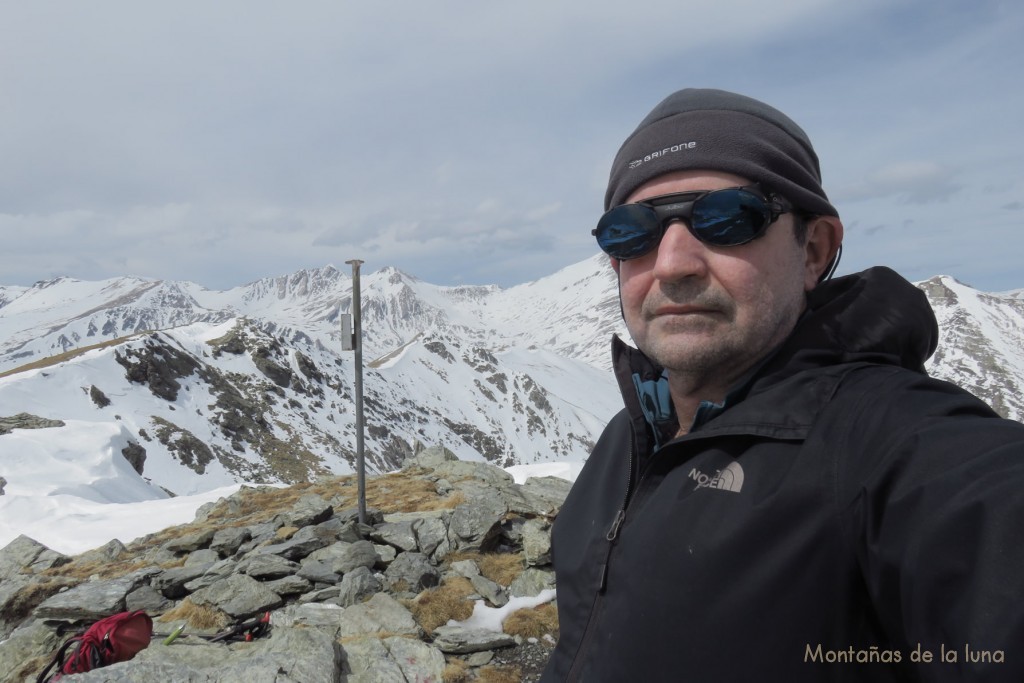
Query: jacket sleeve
(931, 483)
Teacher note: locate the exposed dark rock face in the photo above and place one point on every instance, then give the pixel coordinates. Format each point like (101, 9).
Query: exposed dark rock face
(135, 454)
(26, 421)
(98, 397)
(182, 443)
(158, 366)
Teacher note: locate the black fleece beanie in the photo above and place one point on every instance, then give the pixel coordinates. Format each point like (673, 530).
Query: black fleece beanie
(721, 131)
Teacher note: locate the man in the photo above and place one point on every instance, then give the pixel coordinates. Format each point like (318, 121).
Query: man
(787, 496)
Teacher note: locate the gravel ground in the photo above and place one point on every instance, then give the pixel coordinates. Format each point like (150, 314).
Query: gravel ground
(529, 657)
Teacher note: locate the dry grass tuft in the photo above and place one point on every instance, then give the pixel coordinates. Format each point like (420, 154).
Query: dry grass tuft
(104, 569)
(500, 674)
(501, 568)
(436, 606)
(24, 601)
(406, 491)
(68, 355)
(455, 671)
(532, 623)
(197, 616)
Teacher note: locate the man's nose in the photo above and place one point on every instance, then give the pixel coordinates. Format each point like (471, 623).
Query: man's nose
(680, 254)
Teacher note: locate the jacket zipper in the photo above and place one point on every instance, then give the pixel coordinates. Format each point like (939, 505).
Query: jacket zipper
(611, 537)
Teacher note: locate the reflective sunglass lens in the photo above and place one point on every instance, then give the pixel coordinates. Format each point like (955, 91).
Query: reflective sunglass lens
(729, 217)
(629, 231)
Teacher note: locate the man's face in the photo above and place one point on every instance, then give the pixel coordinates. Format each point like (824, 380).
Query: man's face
(708, 313)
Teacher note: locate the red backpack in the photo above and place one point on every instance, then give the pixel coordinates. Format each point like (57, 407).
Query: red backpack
(114, 639)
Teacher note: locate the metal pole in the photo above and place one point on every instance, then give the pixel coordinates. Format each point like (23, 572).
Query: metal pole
(357, 344)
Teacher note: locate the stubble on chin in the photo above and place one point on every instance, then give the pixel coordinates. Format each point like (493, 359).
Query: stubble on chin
(690, 343)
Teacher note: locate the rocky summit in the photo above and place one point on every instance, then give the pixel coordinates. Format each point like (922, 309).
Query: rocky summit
(388, 599)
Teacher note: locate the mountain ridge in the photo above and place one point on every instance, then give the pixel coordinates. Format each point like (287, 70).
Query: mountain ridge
(251, 383)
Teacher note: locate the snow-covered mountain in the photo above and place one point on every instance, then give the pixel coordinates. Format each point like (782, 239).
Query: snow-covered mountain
(204, 388)
(201, 388)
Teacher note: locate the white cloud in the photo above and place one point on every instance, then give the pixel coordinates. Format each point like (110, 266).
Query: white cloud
(451, 137)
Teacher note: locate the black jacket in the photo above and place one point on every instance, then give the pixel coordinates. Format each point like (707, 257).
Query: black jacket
(840, 512)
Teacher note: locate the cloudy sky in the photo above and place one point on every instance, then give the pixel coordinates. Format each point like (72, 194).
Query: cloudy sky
(469, 142)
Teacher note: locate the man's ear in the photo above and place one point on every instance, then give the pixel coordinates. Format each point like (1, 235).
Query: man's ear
(824, 237)
(615, 264)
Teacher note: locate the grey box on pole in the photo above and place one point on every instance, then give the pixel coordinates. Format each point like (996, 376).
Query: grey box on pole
(348, 342)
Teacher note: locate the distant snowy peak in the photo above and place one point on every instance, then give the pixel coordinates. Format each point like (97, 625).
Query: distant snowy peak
(981, 342)
(317, 282)
(572, 313)
(59, 315)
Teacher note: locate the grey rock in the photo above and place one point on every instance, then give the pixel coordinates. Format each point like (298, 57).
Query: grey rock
(462, 640)
(373, 515)
(172, 582)
(417, 660)
(392, 660)
(238, 595)
(190, 542)
(25, 553)
(265, 567)
(466, 568)
(443, 487)
(431, 533)
(322, 595)
(357, 585)
(109, 551)
(346, 531)
(206, 556)
(481, 658)
(475, 524)
(489, 590)
(91, 600)
(310, 509)
(31, 640)
(537, 542)
(289, 585)
(352, 555)
(386, 554)
(3, 483)
(318, 615)
(304, 542)
(398, 534)
(547, 492)
(413, 571)
(368, 660)
(146, 598)
(380, 614)
(459, 472)
(531, 582)
(10, 593)
(430, 458)
(226, 542)
(318, 571)
(335, 529)
(214, 572)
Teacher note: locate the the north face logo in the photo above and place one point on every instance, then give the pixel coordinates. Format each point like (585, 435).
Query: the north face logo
(728, 479)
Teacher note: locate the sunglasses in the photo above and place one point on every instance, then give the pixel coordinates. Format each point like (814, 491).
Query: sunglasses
(722, 218)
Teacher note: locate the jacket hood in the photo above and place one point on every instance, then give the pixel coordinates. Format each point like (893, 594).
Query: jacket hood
(874, 316)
